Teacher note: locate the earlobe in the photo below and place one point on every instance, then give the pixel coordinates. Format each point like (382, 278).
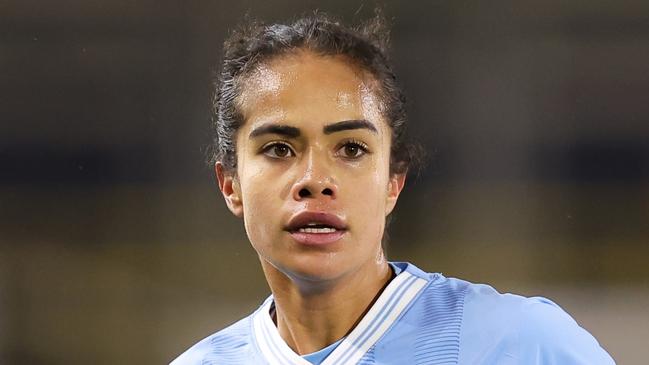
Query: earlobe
(395, 185)
(229, 186)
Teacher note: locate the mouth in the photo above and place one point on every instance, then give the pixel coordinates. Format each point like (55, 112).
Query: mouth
(316, 228)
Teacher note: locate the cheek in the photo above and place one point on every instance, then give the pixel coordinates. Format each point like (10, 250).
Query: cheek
(368, 200)
(259, 206)
(258, 225)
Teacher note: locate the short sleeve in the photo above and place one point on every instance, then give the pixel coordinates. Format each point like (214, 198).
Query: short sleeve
(549, 336)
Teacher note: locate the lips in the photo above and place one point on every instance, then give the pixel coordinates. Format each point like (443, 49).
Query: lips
(316, 228)
(310, 220)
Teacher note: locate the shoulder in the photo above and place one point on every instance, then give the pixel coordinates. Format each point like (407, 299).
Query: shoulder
(530, 330)
(487, 326)
(229, 345)
(547, 332)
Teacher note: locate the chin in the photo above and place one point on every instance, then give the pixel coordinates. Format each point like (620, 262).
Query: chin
(315, 267)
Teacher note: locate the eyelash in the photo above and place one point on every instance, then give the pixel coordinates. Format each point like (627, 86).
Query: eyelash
(355, 143)
(268, 147)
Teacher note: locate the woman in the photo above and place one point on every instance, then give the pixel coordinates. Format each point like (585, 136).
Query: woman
(311, 153)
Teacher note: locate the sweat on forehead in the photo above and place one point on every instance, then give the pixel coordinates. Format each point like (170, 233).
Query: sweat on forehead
(255, 46)
(267, 77)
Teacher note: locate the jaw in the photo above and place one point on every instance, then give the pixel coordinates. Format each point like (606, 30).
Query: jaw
(315, 272)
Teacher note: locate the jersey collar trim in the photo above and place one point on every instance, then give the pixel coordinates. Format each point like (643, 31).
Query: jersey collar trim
(388, 308)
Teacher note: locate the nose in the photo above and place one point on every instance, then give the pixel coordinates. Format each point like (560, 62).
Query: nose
(310, 192)
(315, 182)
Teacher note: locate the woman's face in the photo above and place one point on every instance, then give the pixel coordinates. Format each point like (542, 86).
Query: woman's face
(312, 183)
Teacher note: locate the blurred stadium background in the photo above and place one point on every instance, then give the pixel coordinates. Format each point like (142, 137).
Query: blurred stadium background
(115, 246)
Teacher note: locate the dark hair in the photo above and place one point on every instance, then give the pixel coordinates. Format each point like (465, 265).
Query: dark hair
(254, 43)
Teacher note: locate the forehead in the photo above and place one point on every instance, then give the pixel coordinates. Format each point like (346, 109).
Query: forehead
(306, 85)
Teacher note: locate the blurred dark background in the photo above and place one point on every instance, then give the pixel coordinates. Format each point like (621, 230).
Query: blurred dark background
(116, 247)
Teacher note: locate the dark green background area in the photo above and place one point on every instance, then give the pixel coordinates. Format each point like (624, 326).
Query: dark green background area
(116, 247)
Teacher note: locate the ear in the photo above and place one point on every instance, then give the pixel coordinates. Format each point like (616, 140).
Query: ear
(230, 188)
(395, 185)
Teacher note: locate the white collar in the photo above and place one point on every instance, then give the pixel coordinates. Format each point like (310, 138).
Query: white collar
(386, 310)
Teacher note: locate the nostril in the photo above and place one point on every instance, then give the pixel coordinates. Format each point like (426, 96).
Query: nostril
(327, 191)
(304, 193)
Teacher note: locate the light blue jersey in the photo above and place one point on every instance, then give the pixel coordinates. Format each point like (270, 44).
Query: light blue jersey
(422, 318)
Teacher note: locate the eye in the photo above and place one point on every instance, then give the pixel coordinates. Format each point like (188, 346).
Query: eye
(277, 150)
(352, 150)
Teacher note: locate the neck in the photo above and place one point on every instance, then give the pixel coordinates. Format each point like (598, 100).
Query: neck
(312, 315)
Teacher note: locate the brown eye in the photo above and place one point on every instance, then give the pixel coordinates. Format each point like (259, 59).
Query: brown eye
(278, 150)
(353, 150)
(281, 150)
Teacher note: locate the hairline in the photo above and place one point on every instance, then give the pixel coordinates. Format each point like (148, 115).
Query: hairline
(366, 76)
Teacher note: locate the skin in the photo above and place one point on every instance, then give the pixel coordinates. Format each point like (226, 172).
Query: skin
(320, 291)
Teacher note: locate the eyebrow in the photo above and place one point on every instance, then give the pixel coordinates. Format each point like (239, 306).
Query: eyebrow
(280, 129)
(346, 125)
(293, 132)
